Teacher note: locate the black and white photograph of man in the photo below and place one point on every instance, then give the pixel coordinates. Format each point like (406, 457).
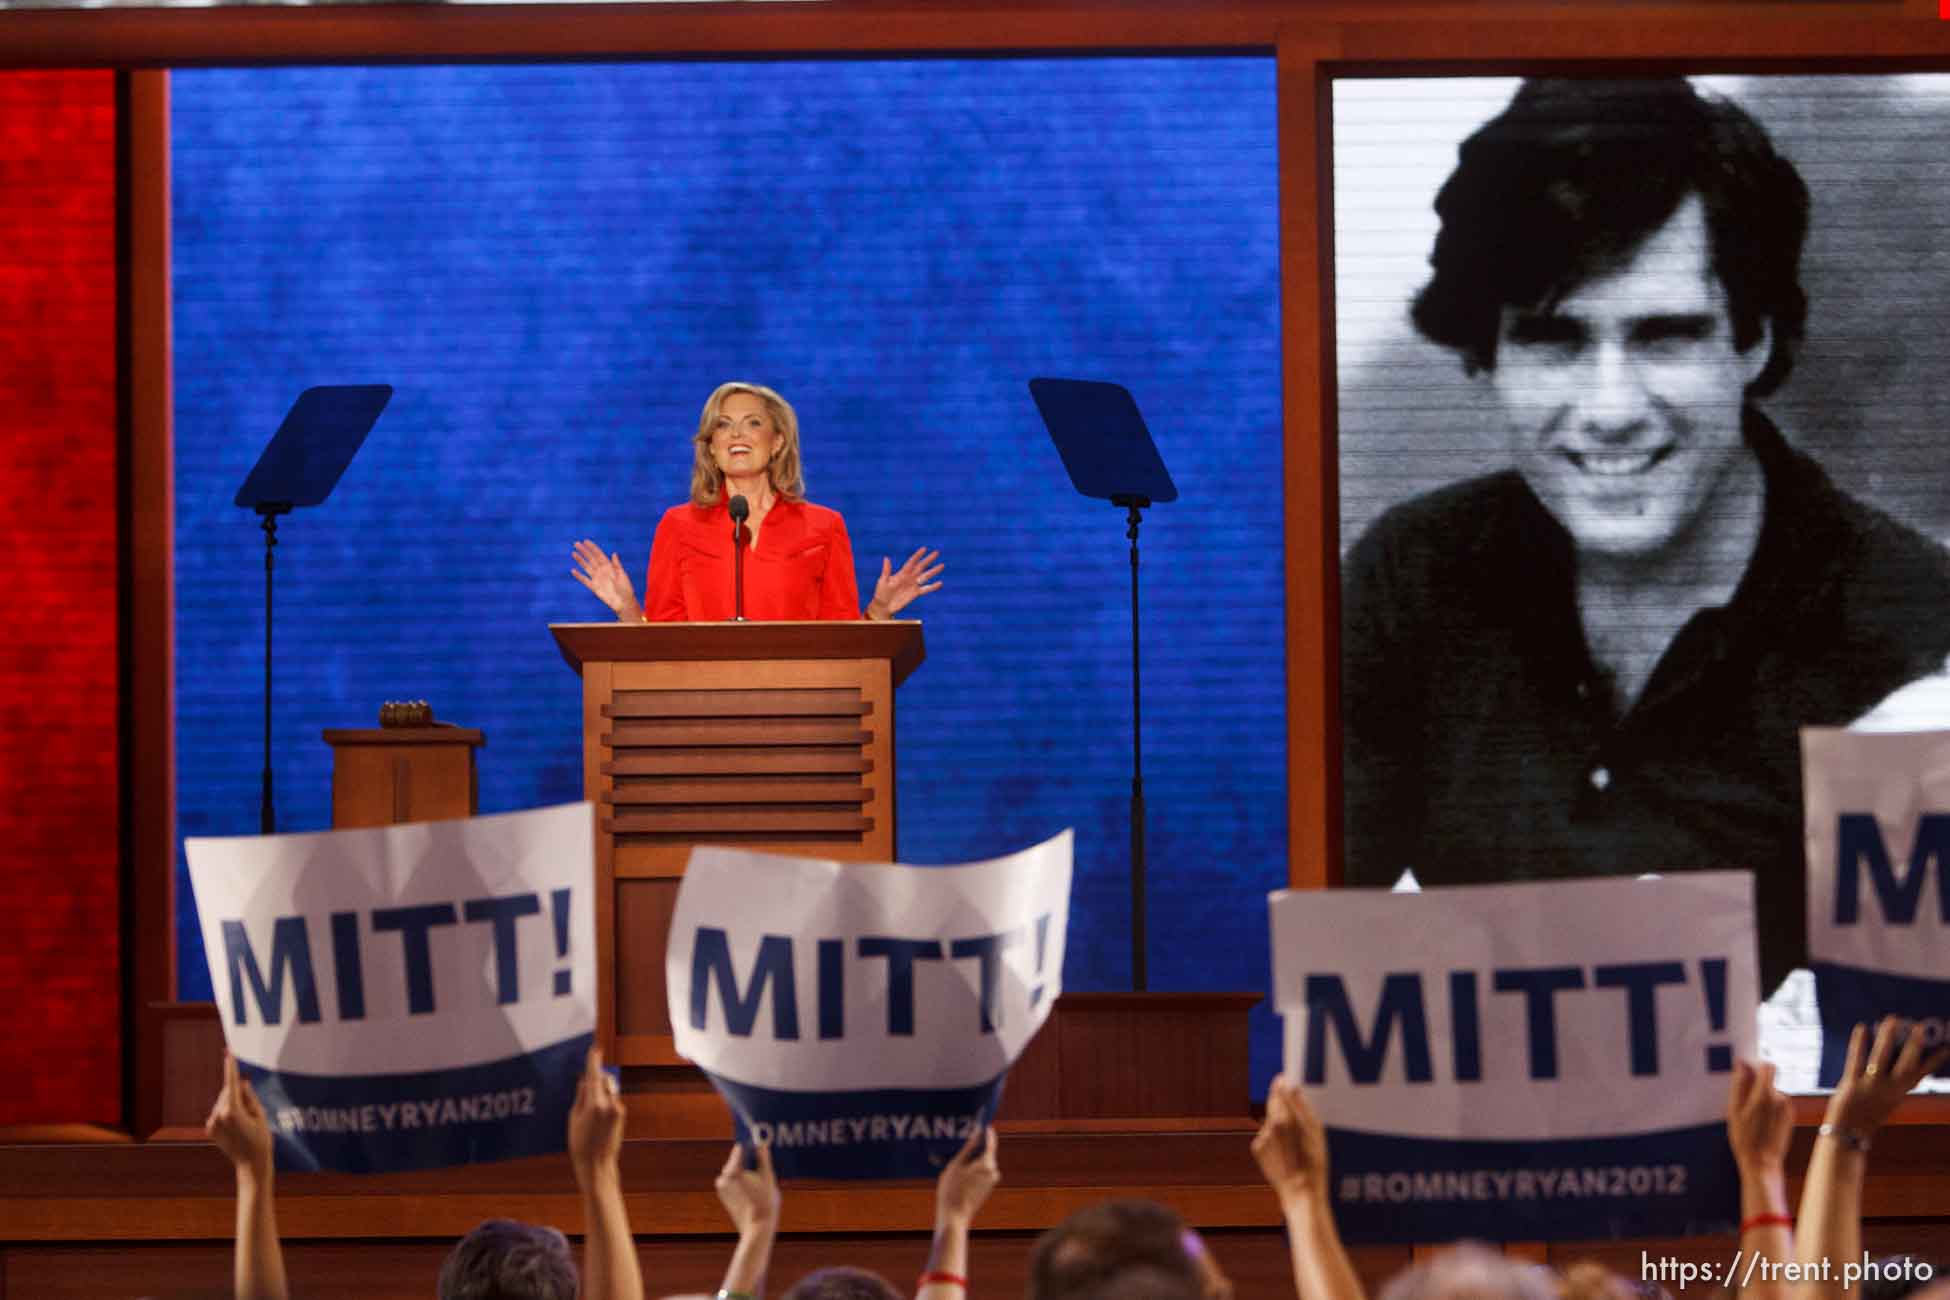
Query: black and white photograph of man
(1599, 565)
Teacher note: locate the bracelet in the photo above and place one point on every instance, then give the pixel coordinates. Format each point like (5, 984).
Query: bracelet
(724, 1294)
(1767, 1221)
(952, 1279)
(1848, 1137)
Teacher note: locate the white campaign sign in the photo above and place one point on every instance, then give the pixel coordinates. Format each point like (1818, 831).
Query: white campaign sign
(1878, 818)
(863, 1004)
(1487, 942)
(1878, 836)
(1546, 1061)
(396, 993)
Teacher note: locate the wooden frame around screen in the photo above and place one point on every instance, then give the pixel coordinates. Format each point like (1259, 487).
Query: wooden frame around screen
(1894, 39)
(1311, 43)
(148, 597)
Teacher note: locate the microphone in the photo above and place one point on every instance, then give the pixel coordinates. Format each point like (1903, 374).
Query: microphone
(741, 510)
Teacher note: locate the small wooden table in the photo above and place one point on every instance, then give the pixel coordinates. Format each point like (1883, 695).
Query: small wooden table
(382, 776)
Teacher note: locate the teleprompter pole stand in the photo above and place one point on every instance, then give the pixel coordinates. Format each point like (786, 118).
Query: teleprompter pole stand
(1109, 454)
(1134, 507)
(300, 466)
(267, 813)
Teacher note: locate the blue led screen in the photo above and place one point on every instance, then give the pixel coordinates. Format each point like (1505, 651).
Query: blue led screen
(555, 265)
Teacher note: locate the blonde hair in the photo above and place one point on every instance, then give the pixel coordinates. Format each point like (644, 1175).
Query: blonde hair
(788, 475)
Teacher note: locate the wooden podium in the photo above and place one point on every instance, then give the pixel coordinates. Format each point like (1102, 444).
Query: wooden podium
(771, 736)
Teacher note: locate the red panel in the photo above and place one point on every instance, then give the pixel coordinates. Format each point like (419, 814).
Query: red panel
(60, 1030)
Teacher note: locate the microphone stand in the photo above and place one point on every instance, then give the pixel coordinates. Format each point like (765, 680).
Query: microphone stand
(740, 510)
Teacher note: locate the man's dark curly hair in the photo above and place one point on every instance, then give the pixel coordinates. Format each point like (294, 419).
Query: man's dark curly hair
(1572, 177)
(507, 1260)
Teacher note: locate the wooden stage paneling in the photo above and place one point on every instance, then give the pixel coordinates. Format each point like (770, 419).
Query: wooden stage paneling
(124, 1218)
(127, 1219)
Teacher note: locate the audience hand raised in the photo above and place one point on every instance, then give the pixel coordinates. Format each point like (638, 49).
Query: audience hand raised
(967, 1180)
(750, 1196)
(238, 1125)
(1760, 1119)
(242, 1131)
(610, 1270)
(1291, 1146)
(960, 1191)
(596, 1120)
(1877, 1075)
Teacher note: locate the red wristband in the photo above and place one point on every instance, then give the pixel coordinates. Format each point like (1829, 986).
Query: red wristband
(950, 1278)
(1767, 1221)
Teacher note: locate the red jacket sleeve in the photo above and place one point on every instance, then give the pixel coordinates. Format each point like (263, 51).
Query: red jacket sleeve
(839, 589)
(663, 592)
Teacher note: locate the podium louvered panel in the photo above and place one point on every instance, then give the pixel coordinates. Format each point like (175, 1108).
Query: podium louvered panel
(758, 793)
(689, 789)
(723, 704)
(732, 760)
(754, 824)
(652, 733)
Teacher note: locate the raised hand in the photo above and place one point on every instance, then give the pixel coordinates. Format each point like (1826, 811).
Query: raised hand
(896, 589)
(596, 1120)
(603, 574)
(242, 1131)
(968, 1179)
(964, 1184)
(238, 1125)
(1878, 1075)
(749, 1196)
(1760, 1119)
(1291, 1146)
(610, 1270)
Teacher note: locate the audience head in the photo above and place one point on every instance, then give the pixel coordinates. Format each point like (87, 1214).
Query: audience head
(506, 1260)
(1587, 1279)
(1120, 1248)
(1472, 1271)
(842, 1284)
(1143, 1283)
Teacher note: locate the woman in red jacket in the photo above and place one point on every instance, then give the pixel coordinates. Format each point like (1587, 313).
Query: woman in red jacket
(798, 562)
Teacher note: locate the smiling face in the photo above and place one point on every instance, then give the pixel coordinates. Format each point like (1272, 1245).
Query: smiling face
(743, 437)
(1623, 399)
